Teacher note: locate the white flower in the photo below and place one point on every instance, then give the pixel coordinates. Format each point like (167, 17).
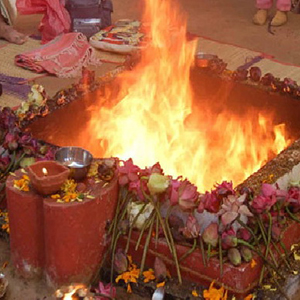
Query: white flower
(133, 209)
(157, 183)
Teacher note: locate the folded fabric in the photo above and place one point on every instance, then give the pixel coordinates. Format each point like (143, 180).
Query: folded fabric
(65, 56)
(124, 36)
(14, 85)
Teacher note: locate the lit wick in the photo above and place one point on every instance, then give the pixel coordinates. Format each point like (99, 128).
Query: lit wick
(45, 172)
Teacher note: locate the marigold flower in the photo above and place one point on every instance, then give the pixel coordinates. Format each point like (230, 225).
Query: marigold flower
(129, 276)
(195, 293)
(22, 184)
(148, 275)
(253, 263)
(161, 284)
(215, 294)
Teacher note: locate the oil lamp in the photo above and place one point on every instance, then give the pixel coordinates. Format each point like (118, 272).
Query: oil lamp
(47, 177)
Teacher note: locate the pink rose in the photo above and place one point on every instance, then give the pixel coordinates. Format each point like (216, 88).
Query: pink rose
(128, 172)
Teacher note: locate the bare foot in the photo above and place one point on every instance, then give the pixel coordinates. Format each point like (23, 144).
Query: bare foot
(12, 35)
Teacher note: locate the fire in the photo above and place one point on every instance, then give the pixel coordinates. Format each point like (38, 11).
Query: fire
(155, 119)
(71, 290)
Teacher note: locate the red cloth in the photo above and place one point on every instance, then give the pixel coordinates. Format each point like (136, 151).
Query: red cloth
(64, 57)
(56, 18)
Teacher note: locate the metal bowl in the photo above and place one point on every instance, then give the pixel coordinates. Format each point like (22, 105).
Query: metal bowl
(77, 159)
(202, 59)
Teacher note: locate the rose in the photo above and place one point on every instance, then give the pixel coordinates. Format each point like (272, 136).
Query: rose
(229, 239)
(262, 203)
(139, 188)
(209, 202)
(106, 290)
(157, 183)
(192, 228)
(294, 198)
(128, 172)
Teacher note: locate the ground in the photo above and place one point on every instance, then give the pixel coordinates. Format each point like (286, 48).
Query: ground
(227, 21)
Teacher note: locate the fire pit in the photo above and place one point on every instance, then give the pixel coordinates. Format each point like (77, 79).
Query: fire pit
(205, 128)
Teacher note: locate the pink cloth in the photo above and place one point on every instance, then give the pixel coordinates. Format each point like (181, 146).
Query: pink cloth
(65, 56)
(283, 5)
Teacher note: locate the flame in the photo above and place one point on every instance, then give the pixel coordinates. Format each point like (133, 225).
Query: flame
(45, 171)
(155, 119)
(72, 290)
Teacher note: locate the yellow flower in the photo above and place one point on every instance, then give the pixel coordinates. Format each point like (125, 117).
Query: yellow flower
(5, 225)
(161, 284)
(55, 196)
(69, 186)
(215, 294)
(253, 263)
(22, 184)
(195, 293)
(249, 297)
(129, 289)
(148, 275)
(129, 276)
(70, 197)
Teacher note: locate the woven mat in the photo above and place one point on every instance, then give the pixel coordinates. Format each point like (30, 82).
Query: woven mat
(236, 56)
(233, 55)
(8, 53)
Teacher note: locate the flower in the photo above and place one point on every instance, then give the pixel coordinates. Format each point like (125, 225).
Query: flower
(157, 183)
(244, 234)
(128, 172)
(268, 197)
(134, 208)
(210, 234)
(11, 141)
(139, 188)
(229, 239)
(129, 276)
(233, 207)
(253, 263)
(120, 262)
(294, 198)
(192, 228)
(106, 290)
(215, 294)
(224, 189)
(148, 275)
(5, 221)
(209, 202)
(184, 194)
(22, 184)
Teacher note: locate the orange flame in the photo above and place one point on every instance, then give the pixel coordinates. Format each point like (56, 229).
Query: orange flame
(72, 290)
(155, 120)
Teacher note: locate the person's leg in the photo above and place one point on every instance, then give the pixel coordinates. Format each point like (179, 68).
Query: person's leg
(264, 4)
(280, 18)
(8, 33)
(261, 15)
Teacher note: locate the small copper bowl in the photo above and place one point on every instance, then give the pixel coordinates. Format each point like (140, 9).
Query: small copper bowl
(202, 59)
(47, 176)
(77, 159)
